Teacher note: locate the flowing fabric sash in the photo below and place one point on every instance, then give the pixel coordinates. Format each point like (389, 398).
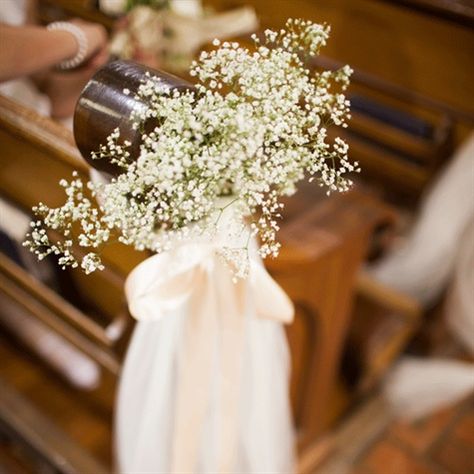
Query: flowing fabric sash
(194, 275)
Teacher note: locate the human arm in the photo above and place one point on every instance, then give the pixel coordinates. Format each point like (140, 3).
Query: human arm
(25, 50)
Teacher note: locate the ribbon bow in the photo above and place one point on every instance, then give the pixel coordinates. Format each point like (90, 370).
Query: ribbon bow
(194, 278)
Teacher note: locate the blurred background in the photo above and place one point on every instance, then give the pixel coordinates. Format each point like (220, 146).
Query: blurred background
(382, 277)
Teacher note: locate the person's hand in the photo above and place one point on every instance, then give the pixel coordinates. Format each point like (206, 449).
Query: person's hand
(96, 36)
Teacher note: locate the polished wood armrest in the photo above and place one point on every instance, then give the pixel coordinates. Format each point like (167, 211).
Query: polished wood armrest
(385, 326)
(57, 314)
(25, 425)
(370, 288)
(41, 131)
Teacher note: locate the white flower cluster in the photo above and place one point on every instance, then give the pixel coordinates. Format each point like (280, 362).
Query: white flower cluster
(117, 154)
(78, 213)
(255, 125)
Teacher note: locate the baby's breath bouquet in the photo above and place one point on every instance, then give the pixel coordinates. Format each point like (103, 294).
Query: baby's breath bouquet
(253, 127)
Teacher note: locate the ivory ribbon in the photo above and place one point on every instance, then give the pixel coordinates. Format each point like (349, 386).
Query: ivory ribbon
(196, 278)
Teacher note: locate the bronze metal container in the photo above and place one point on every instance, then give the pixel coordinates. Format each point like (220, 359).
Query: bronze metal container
(104, 106)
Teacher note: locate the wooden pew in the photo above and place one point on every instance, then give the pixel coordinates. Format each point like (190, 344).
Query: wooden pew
(35, 153)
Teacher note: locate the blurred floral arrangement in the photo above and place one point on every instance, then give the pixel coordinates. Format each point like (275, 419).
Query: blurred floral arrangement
(118, 7)
(167, 33)
(254, 126)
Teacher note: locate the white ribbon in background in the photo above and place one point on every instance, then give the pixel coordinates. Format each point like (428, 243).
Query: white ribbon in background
(205, 382)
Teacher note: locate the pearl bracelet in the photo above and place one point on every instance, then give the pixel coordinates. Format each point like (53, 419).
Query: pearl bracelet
(80, 39)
